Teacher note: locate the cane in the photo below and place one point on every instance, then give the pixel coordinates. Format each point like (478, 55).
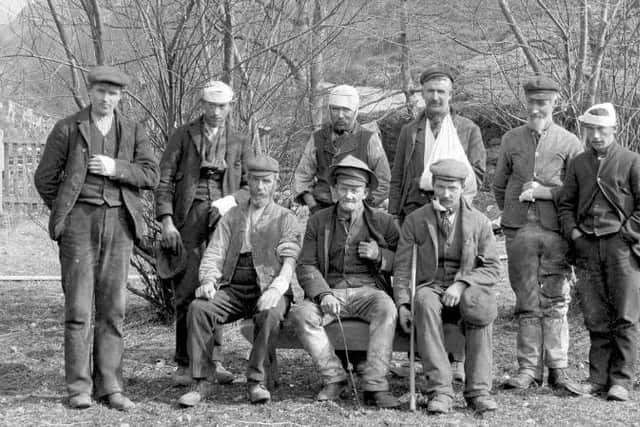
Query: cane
(412, 351)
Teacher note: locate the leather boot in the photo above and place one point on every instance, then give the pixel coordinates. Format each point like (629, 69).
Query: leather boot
(559, 380)
(333, 391)
(381, 399)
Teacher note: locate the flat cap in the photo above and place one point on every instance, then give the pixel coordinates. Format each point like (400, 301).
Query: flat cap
(478, 305)
(217, 92)
(108, 74)
(169, 263)
(541, 87)
(262, 165)
(449, 170)
(352, 169)
(438, 71)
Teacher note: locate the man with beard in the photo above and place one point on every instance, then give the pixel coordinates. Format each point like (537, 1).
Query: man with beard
(457, 264)
(418, 142)
(600, 213)
(201, 176)
(336, 139)
(92, 169)
(245, 272)
(347, 250)
(532, 162)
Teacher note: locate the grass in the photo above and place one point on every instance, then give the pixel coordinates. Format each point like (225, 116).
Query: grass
(32, 391)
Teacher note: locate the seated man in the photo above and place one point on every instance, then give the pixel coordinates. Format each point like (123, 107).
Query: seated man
(245, 272)
(346, 251)
(457, 263)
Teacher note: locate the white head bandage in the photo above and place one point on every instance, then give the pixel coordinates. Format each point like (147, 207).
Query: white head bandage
(344, 96)
(217, 92)
(599, 115)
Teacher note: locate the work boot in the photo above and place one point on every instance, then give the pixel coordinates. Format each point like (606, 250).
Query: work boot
(80, 401)
(592, 388)
(618, 392)
(457, 372)
(333, 391)
(221, 375)
(439, 404)
(120, 402)
(381, 399)
(522, 381)
(482, 404)
(182, 376)
(200, 389)
(258, 393)
(559, 380)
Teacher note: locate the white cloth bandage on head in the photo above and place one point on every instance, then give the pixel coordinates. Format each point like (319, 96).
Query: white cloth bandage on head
(344, 96)
(600, 115)
(217, 92)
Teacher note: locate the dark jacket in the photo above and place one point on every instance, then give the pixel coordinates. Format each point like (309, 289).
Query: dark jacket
(313, 263)
(618, 177)
(479, 265)
(521, 160)
(180, 170)
(412, 133)
(64, 164)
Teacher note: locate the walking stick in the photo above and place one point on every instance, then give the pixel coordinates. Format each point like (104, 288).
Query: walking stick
(412, 351)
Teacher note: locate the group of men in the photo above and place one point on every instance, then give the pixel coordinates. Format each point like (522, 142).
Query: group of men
(429, 263)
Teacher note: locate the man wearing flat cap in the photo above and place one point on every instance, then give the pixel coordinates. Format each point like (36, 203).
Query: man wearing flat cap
(93, 168)
(457, 267)
(599, 207)
(343, 268)
(437, 133)
(340, 137)
(532, 163)
(201, 177)
(245, 273)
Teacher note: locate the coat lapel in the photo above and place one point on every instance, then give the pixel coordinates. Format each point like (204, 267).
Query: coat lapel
(195, 131)
(433, 233)
(83, 126)
(124, 137)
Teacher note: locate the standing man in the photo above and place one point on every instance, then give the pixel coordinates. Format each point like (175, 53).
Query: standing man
(532, 162)
(600, 213)
(457, 265)
(92, 169)
(245, 272)
(419, 141)
(201, 176)
(348, 248)
(336, 139)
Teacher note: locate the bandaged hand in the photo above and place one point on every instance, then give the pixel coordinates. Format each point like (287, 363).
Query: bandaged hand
(224, 204)
(102, 165)
(206, 291)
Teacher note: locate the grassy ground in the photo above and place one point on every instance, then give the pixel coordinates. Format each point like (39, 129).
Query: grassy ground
(32, 388)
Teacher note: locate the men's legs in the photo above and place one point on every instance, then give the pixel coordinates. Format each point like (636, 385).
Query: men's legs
(77, 247)
(479, 363)
(110, 296)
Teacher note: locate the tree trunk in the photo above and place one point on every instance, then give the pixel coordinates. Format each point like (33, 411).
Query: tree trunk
(316, 69)
(405, 70)
(526, 49)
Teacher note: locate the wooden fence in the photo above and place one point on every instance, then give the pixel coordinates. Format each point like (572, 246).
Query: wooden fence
(18, 162)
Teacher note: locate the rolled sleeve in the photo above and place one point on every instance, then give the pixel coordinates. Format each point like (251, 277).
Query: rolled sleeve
(305, 173)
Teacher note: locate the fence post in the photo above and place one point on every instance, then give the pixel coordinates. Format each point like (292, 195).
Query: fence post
(1, 170)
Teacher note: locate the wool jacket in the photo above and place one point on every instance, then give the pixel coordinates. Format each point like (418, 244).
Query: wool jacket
(479, 262)
(313, 264)
(180, 170)
(404, 178)
(64, 164)
(617, 176)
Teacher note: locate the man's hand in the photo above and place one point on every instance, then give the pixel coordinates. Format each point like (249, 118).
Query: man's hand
(369, 250)
(330, 305)
(310, 201)
(404, 318)
(102, 165)
(451, 296)
(170, 236)
(268, 299)
(576, 234)
(207, 291)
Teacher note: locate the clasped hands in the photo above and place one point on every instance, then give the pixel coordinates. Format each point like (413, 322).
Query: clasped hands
(450, 298)
(267, 300)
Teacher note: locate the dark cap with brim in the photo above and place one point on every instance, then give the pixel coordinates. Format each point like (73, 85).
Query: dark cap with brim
(168, 263)
(438, 71)
(351, 170)
(541, 88)
(263, 166)
(108, 74)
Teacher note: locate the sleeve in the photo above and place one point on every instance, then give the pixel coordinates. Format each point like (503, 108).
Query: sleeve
(391, 236)
(402, 264)
(487, 265)
(289, 244)
(305, 173)
(242, 194)
(397, 173)
(631, 228)
(50, 170)
(575, 148)
(143, 171)
(567, 201)
(168, 170)
(380, 166)
(213, 258)
(502, 174)
(477, 154)
(309, 274)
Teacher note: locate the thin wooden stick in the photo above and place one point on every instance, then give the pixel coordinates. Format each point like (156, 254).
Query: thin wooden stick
(412, 335)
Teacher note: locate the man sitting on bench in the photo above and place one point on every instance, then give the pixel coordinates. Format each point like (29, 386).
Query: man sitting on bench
(245, 272)
(347, 250)
(457, 264)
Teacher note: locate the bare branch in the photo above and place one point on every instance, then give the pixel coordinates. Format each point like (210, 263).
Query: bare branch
(524, 45)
